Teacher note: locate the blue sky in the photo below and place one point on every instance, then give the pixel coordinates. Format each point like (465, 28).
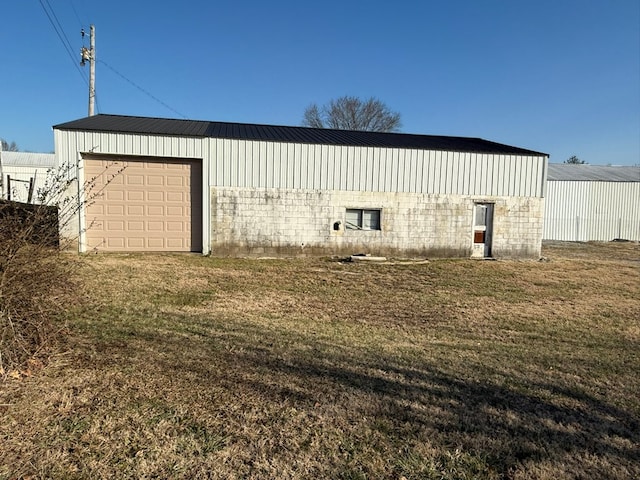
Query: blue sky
(556, 76)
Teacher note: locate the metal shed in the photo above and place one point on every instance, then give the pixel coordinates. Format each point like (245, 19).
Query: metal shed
(592, 203)
(24, 171)
(267, 189)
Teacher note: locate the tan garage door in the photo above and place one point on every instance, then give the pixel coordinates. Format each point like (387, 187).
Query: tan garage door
(143, 204)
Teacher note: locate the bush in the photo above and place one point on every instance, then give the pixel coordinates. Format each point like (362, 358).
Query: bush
(37, 279)
(36, 282)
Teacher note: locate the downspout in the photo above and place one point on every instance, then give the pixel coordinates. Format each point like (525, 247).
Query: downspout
(81, 203)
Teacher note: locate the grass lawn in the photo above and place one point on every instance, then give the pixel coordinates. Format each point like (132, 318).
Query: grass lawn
(180, 366)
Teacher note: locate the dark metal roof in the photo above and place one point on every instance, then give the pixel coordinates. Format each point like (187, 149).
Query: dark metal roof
(274, 133)
(592, 173)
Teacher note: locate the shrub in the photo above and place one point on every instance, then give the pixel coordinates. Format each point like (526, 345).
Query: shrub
(35, 282)
(36, 277)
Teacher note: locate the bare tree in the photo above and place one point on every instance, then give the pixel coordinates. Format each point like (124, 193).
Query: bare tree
(352, 113)
(574, 160)
(8, 147)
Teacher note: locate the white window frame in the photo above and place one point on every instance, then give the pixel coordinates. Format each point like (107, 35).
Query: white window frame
(361, 224)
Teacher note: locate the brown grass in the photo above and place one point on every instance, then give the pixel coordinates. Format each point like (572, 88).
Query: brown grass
(191, 367)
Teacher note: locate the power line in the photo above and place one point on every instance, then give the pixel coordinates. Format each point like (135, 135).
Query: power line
(66, 45)
(140, 88)
(53, 12)
(73, 7)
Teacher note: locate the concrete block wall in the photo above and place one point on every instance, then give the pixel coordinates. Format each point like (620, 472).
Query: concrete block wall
(517, 227)
(258, 221)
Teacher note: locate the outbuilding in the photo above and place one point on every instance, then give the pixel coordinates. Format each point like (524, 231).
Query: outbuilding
(23, 174)
(592, 203)
(154, 184)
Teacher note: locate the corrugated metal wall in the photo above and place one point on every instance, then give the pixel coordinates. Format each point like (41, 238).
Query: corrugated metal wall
(592, 211)
(20, 177)
(299, 166)
(241, 163)
(69, 143)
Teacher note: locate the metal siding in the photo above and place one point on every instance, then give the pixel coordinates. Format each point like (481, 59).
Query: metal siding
(359, 172)
(24, 173)
(592, 211)
(295, 155)
(406, 170)
(414, 173)
(386, 170)
(348, 167)
(316, 175)
(271, 166)
(486, 176)
(280, 160)
(253, 159)
(307, 164)
(246, 163)
(436, 172)
(367, 184)
(465, 162)
(326, 169)
(289, 154)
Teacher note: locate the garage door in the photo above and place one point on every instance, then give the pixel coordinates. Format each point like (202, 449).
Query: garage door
(143, 204)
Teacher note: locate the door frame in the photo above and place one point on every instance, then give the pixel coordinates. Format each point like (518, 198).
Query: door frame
(482, 229)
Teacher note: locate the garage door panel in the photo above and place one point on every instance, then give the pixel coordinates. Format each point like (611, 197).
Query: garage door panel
(135, 242)
(134, 179)
(135, 226)
(115, 242)
(175, 226)
(155, 210)
(115, 226)
(176, 211)
(115, 210)
(151, 205)
(155, 226)
(175, 197)
(155, 196)
(135, 210)
(155, 243)
(95, 209)
(176, 181)
(112, 195)
(155, 180)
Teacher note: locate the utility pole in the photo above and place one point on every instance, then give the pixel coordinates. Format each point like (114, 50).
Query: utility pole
(90, 55)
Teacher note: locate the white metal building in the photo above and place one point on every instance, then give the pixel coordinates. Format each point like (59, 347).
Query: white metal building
(238, 189)
(592, 203)
(21, 172)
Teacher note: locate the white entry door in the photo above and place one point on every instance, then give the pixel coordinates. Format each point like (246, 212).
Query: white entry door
(482, 230)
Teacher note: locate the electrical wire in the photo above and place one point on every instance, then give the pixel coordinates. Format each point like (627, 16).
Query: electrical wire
(141, 89)
(73, 7)
(53, 12)
(66, 45)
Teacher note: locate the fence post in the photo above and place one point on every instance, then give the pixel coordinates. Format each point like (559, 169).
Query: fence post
(30, 196)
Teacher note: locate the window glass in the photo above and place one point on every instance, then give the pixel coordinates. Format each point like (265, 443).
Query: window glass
(371, 219)
(359, 219)
(354, 219)
(481, 215)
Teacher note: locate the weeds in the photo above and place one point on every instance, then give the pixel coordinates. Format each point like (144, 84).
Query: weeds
(38, 282)
(191, 367)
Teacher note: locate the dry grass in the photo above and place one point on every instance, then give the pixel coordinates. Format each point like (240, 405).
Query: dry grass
(191, 367)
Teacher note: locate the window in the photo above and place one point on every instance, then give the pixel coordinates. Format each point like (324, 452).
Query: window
(359, 219)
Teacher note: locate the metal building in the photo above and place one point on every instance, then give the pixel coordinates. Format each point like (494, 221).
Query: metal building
(592, 203)
(235, 189)
(23, 174)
